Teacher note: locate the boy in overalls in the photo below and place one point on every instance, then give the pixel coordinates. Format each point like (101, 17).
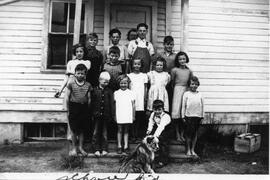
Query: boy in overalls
(140, 48)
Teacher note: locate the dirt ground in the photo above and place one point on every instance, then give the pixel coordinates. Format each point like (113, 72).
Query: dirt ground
(46, 157)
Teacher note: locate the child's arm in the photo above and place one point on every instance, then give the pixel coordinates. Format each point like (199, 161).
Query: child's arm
(165, 120)
(172, 77)
(89, 97)
(112, 105)
(59, 92)
(184, 103)
(202, 101)
(150, 124)
(133, 110)
(66, 99)
(114, 108)
(145, 94)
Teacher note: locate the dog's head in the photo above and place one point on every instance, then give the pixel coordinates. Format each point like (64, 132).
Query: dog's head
(151, 143)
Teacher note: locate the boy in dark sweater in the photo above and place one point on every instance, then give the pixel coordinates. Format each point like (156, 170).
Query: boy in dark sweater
(102, 111)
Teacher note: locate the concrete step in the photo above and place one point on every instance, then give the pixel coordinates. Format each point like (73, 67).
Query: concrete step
(176, 152)
(174, 147)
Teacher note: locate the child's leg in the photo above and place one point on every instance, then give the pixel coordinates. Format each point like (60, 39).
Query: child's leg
(176, 126)
(95, 137)
(119, 135)
(73, 151)
(193, 144)
(126, 127)
(181, 131)
(81, 141)
(188, 143)
(104, 138)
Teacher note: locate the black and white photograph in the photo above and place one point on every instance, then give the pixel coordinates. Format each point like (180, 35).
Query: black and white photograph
(134, 89)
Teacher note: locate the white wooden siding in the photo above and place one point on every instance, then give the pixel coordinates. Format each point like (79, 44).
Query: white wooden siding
(161, 25)
(228, 43)
(228, 46)
(176, 23)
(22, 85)
(99, 23)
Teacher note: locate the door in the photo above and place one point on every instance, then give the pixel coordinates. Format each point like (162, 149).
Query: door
(125, 17)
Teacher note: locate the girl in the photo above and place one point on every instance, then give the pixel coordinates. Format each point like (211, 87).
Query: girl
(192, 114)
(180, 77)
(79, 51)
(139, 87)
(158, 81)
(125, 111)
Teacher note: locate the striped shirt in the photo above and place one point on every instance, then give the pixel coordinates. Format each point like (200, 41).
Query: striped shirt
(78, 92)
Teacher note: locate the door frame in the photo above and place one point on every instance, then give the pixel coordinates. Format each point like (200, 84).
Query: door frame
(107, 21)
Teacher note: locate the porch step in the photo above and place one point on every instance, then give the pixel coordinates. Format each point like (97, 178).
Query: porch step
(176, 152)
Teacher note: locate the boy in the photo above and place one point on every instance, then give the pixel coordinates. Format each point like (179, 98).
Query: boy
(192, 114)
(102, 112)
(77, 98)
(114, 67)
(115, 36)
(159, 126)
(168, 54)
(95, 58)
(140, 48)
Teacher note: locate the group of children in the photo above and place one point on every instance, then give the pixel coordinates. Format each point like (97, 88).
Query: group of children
(131, 85)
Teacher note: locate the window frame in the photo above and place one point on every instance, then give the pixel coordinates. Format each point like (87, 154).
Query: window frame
(47, 16)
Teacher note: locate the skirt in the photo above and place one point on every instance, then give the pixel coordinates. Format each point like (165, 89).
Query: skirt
(177, 101)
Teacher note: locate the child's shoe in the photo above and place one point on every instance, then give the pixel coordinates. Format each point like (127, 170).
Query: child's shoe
(119, 150)
(104, 153)
(126, 150)
(97, 153)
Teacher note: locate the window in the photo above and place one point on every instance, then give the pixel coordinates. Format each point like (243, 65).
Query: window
(60, 35)
(44, 131)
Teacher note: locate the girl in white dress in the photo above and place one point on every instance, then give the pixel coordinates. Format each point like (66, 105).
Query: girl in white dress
(138, 86)
(158, 79)
(125, 111)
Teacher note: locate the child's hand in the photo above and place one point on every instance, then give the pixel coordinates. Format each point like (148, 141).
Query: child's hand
(156, 140)
(184, 120)
(148, 132)
(57, 94)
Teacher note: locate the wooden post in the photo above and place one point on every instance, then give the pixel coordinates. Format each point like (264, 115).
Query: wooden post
(77, 23)
(184, 25)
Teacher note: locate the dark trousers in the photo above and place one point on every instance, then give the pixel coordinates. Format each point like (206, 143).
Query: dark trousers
(163, 152)
(100, 139)
(139, 126)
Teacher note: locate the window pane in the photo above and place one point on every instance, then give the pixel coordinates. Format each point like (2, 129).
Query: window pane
(59, 17)
(46, 130)
(57, 50)
(60, 130)
(70, 45)
(72, 18)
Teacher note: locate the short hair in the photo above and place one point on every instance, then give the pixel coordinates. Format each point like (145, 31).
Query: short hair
(115, 50)
(74, 48)
(194, 79)
(142, 64)
(142, 25)
(158, 104)
(121, 77)
(176, 62)
(104, 75)
(92, 35)
(81, 67)
(114, 30)
(168, 39)
(160, 59)
(131, 30)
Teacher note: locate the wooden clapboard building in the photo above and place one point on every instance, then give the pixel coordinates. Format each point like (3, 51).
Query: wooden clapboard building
(227, 41)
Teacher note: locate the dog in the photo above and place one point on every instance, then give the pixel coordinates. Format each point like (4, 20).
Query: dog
(141, 159)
